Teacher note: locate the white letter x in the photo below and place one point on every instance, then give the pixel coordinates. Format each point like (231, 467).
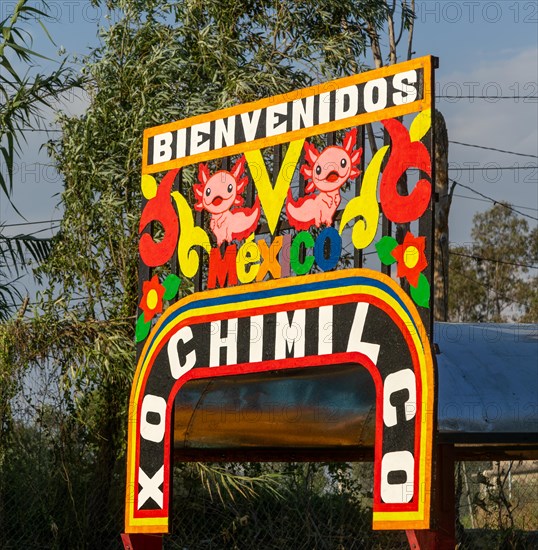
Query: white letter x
(150, 487)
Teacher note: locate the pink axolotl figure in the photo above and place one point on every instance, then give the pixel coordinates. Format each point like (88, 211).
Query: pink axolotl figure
(218, 194)
(327, 172)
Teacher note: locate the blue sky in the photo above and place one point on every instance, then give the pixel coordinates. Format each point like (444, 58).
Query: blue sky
(485, 48)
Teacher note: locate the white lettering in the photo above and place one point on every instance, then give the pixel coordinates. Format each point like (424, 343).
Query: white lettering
(156, 405)
(396, 491)
(355, 336)
(150, 487)
(200, 141)
(394, 382)
(250, 125)
(256, 338)
(403, 82)
(370, 105)
(229, 342)
(324, 111)
(291, 335)
(350, 95)
(325, 338)
(162, 150)
(183, 335)
(303, 115)
(273, 121)
(224, 132)
(181, 143)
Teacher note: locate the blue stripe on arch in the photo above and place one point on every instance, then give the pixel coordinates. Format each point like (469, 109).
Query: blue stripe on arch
(282, 291)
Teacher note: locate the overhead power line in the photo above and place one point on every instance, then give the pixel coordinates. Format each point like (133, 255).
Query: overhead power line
(477, 168)
(495, 201)
(515, 167)
(494, 149)
(40, 130)
(29, 223)
(489, 200)
(18, 305)
(491, 97)
(482, 259)
(488, 288)
(485, 147)
(43, 230)
(4, 238)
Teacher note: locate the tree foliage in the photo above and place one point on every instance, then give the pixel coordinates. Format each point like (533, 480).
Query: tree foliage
(24, 94)
(493, 279)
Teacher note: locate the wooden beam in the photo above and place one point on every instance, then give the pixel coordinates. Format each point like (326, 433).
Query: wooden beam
(141, 541)
(442, 535)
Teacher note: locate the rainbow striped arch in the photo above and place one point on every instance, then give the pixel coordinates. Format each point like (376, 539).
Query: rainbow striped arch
(378, 328)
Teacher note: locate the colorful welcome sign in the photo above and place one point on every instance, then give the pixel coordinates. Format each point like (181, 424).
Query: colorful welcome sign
(265, 245)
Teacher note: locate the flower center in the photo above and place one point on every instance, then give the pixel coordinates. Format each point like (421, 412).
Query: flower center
(411, 256)
(152, 299)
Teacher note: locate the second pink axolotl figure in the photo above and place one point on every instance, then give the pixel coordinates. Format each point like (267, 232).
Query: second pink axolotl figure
(327, 172)
(218, 194)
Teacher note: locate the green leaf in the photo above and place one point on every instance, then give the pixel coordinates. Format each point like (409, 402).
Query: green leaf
(171, 286)
(14, 251)
(142, 329)
(421, 293)
(384, 248)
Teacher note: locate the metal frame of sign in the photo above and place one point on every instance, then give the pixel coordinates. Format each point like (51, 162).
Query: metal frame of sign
(386, 330)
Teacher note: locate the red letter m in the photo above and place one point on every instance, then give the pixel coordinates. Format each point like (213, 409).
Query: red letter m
(221, 268)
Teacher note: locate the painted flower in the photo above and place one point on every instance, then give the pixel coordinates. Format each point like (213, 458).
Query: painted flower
(411, 261)
(152, 298)
(410, 258)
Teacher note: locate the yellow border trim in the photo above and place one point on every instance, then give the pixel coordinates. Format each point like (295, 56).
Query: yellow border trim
(390, 112)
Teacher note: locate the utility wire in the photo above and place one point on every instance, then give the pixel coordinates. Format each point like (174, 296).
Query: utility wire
(486, 148)
(494, 201)
(489, 200)
(99, 321)
(28, 223)
(514, 167)
(494, 149)
(39, 130)
(380, 136)
(14, 305)
(4, 238)
(43, 230)
(489, 289)
(532, 97)
(45, 164)
(482, 259)
(476, 168)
